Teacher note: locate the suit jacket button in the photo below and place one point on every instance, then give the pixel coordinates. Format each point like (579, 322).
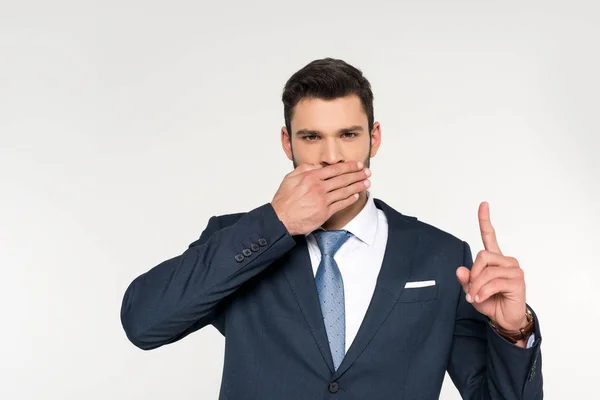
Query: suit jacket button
(334, 387)
(254, 247)
(239, 258)
(262, 241)
(247, 252)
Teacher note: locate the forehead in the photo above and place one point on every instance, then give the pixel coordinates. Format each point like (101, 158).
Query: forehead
(313, 113)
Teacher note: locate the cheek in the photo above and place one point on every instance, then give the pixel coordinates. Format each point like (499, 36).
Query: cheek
(305, 152)
(358, 150)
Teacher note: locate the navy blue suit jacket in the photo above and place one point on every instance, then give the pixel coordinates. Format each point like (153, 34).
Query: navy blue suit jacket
(253, 281)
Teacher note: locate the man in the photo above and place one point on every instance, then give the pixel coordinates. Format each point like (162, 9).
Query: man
(328, 293)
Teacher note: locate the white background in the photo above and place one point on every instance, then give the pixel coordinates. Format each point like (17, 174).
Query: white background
(125, 125)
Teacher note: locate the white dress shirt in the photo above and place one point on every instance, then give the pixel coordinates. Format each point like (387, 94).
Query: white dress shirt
(359, 260)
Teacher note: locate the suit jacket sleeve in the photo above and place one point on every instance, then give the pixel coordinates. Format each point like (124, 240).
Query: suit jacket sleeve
(483, 365)
(188, 292)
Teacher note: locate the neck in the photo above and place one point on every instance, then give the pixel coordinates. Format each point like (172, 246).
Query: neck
(342, 217)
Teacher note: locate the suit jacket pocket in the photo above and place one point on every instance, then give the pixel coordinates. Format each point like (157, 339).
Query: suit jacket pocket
(419, 294)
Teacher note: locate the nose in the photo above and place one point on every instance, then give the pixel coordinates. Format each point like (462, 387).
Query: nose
(331, 153)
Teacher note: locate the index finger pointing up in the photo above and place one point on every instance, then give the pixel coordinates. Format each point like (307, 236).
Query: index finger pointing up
(488, 233)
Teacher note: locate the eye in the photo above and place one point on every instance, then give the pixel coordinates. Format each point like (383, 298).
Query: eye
(310, 138)
(349, 134)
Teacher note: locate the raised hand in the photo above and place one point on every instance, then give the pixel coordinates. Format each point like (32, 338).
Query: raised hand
(495, 285)
(309, 195)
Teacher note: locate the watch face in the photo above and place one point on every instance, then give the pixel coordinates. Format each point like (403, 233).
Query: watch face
(529, 315)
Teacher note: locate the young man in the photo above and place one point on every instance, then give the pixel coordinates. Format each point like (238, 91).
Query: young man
(327, 293)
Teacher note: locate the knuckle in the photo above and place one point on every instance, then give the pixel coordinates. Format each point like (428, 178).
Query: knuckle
(310, 172)
(483, 292)
(317, 187)
(302, 168)
(348, 190)
(349, 178)
(321, 189)
(479, 291)
(323, 203)
(309, 183)
(305, 180)
(484, 274)
(489, 288)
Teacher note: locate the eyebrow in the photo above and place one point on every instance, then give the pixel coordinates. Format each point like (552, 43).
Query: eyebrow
(310, 132)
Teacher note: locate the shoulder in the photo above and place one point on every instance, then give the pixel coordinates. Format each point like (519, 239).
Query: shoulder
(426, 231)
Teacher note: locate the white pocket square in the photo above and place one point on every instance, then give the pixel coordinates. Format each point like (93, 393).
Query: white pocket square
(418, 284)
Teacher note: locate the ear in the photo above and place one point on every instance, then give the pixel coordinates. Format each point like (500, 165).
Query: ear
(286, 143)
(375, 139)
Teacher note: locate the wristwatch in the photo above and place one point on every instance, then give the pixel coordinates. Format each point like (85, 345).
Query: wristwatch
(521, 334)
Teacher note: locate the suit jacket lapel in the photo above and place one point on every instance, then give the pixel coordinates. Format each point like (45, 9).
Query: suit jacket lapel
(300, 277)
(395, 271)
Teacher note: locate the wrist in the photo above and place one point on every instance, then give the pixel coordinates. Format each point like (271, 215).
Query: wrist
(288, 226)
(291, 231)
(518, 336)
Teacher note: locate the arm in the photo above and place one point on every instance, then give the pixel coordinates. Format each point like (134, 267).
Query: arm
(186, 293)
(483, 365)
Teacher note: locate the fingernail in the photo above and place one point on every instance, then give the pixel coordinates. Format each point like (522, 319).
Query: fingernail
(469, 298)
(367, 172)
(367, 183)
(360, 164)
(477, 299)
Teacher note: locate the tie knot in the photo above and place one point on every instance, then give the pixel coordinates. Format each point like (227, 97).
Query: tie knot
(330, 241)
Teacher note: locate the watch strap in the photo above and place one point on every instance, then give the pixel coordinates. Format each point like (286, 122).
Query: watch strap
(520, 334)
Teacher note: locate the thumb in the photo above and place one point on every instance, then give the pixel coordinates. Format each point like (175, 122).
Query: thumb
(463, 274)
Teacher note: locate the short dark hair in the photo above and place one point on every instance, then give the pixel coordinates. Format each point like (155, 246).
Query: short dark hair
(326, 79)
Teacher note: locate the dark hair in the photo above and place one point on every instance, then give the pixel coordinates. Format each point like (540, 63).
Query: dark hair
(326, 79)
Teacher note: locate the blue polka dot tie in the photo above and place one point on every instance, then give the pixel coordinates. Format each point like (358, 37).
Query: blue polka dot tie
(330, 287)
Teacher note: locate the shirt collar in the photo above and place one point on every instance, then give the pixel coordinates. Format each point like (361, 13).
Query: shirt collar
(364, 224)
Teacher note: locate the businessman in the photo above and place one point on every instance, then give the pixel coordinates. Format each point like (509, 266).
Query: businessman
(326, 292)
